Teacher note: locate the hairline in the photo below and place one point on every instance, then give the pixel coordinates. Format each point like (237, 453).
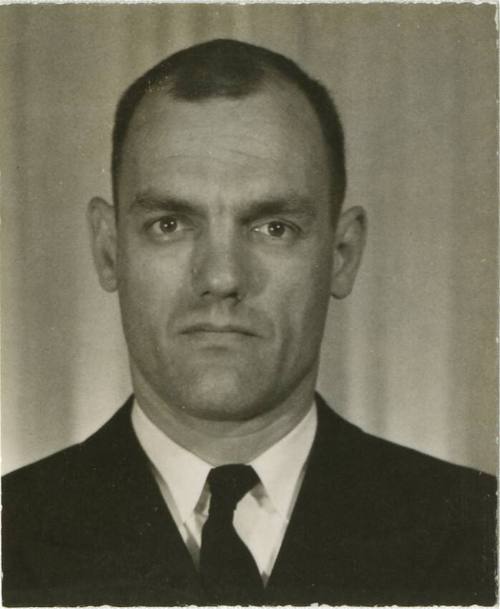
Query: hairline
(270, 74)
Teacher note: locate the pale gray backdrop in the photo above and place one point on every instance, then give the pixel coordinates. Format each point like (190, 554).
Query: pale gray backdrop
(410, 355)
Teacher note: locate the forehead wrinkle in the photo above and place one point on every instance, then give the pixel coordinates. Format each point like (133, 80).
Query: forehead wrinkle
(212, 157)
(219, 164)
(199, 143)
(220, 159)
(288, 113)
(185, 145)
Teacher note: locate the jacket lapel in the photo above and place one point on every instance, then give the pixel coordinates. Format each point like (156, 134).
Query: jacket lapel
(300, 564)
(355, 537)
(142, 542)
(322, 555)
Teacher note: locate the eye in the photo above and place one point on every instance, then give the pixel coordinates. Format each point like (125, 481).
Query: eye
(276, 229)
(168, 226)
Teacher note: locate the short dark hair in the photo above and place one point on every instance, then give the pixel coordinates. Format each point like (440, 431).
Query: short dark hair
(234, 69)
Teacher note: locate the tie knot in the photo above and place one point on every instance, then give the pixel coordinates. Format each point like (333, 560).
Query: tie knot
(228, 484)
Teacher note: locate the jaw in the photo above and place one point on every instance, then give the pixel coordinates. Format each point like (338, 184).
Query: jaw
(219, 421)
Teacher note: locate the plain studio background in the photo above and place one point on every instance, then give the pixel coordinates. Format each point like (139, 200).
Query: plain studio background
(410, 356)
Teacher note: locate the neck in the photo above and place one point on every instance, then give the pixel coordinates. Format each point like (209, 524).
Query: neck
(221, 442)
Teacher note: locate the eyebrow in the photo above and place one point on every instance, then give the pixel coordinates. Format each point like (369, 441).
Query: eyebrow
(291, 204)
(152, 203)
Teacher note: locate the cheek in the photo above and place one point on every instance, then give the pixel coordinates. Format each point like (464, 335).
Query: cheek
(150, 286)
(302, 293)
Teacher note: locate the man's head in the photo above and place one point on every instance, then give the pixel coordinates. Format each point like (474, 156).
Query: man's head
(228, 178)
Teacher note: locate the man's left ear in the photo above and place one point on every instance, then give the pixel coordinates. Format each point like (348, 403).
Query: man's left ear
(350, 237)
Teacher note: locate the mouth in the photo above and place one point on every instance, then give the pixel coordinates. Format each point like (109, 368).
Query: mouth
(215, 329)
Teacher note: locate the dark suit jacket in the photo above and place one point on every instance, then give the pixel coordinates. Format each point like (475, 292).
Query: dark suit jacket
(374, 523)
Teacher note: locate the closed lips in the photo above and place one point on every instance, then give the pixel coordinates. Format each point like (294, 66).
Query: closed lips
(226, 328)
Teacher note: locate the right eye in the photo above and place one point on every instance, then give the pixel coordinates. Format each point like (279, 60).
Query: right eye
(168, 227)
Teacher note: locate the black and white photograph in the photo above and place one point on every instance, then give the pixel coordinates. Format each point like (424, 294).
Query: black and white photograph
(249, 304)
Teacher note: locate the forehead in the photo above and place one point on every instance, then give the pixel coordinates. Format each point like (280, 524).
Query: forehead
(267, 141)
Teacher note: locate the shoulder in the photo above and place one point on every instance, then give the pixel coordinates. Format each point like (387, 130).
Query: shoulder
(426, 517)
(73, 475)
(42, 479)
(394, 462)
(403, 484)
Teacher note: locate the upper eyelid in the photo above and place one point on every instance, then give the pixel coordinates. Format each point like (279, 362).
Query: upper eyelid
(252, 226)
(151, 226)
(296, 226)
(287, 223)
(161, 214)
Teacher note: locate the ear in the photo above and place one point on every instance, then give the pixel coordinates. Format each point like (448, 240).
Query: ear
(350, 237)
(102, 224)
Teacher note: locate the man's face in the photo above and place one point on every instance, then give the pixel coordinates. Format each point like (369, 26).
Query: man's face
(224, 250)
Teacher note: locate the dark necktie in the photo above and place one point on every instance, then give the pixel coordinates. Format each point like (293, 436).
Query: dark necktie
(229, 573)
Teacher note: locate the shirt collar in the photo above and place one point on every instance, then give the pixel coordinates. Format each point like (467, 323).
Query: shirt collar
(184, 473)
(279, 467)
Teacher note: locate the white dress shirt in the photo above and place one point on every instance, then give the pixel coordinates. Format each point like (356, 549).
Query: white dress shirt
(261, 517)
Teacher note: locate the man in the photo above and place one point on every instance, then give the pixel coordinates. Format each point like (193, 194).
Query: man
(225, 479)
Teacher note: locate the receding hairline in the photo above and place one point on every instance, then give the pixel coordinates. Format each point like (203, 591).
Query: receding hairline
(283, 135)
(275, 85)
(285, 115)
(269, 80)
(231, 69)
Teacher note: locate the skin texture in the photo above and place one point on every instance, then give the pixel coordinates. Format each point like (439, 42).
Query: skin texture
(225, 255)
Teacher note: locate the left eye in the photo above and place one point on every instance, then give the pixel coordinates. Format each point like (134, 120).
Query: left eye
(275, 229)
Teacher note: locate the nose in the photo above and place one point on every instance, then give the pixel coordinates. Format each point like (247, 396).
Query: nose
(219, 268)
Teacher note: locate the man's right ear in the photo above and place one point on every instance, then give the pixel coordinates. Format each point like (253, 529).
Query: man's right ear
(102, 224)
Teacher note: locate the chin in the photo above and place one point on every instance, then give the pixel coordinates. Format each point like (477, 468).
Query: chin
(221, 398)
